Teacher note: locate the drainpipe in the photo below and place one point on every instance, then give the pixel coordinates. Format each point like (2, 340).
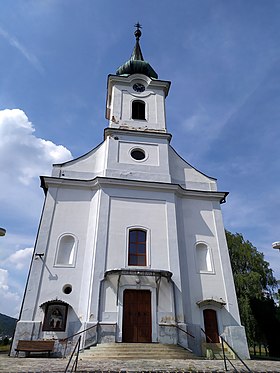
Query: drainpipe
(175, 309)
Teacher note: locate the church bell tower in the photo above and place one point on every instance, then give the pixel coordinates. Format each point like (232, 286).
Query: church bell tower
(136, 98)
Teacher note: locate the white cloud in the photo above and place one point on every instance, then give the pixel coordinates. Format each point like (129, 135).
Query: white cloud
(23, 158)
(23, 155)
(3, 279)
(13, 272)
(10, 301)
(21, 258)
(19, 46)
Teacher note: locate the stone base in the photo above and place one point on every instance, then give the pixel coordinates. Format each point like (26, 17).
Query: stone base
(167, 334)
(194, 341)
(90, 338)
(106, 333)
(25, 330)
(236, 337)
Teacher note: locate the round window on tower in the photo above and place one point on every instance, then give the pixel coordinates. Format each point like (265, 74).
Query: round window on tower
(67, 289)
(138, 154)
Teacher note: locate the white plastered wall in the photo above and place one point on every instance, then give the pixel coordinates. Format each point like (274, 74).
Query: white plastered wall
(199, 225)
(120, 99)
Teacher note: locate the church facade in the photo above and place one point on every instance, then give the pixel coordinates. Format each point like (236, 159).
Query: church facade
(131, 245)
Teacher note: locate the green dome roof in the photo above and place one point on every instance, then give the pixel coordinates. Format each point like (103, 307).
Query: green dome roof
(136, 64)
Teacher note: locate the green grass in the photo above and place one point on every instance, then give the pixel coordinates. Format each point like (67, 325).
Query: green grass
(5, 348)
(261, 354)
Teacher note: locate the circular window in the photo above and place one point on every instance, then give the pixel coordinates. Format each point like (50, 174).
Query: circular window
(138, 154)
(67, 289)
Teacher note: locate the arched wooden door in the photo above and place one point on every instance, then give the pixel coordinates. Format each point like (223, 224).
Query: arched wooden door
(211, 326)
(137, 316)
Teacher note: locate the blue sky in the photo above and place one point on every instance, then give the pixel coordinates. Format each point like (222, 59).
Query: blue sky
(223, 109)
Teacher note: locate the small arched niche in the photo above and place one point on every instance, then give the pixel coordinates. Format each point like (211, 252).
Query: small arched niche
(66, 251)
(55, 316)
(203, 258)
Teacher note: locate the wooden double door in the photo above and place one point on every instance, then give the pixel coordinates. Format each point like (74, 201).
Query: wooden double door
(137, 316)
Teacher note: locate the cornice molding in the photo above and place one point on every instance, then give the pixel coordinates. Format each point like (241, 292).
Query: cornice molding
(110, 131)
(106, 182)
(113, 79)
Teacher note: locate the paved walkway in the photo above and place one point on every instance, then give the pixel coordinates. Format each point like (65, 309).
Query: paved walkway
(32, 365)
(57, 365)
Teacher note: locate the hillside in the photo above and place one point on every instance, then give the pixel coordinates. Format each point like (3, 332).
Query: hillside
(7, 325)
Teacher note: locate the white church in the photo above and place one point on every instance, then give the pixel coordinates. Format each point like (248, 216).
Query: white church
(131, 245)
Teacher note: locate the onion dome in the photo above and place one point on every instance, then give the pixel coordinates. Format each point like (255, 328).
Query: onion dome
(136, 64)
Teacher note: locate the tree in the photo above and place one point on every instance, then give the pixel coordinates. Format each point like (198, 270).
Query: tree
(6, 341)
(252, 275)
(265, 313)
(254, 284)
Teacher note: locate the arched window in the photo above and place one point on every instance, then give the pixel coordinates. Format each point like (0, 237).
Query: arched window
(138, 110)
(66, 251)
(137, 247)
(203, 258)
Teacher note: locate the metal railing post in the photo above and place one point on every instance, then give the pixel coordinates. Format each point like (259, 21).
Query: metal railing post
(236, 354)
(224, 355)
(225, 358)
(77, 346)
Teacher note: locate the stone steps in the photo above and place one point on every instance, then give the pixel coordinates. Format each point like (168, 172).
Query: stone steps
(215, 351)
(138, 351)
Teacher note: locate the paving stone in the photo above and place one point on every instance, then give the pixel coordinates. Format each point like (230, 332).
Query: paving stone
(58, 365)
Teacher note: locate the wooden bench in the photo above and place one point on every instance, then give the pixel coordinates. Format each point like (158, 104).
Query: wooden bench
(34, 346)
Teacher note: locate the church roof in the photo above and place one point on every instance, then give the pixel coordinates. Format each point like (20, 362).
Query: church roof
(136, 64)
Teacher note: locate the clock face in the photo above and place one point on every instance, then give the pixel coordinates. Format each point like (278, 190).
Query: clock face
(138, 87)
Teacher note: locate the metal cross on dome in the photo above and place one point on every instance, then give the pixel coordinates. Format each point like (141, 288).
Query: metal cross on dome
(137, 32)
(138, 26)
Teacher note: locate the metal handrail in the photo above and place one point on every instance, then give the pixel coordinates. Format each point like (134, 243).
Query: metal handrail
(236, 354)
(82, 331)
(74, 366)
(207, 337)
(182, 330)
(73, 335)
(178, 343)
(225, 358)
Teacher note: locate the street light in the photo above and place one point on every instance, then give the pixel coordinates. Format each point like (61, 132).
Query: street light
(2, 231)
(276, 245)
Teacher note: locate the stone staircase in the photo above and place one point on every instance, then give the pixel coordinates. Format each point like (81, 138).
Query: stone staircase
(215, 351)
(136, 351)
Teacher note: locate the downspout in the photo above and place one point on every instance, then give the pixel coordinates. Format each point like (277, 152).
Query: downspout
(175, 309)
(99, 307)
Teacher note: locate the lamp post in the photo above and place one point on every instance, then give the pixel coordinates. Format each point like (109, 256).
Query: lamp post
(276, 245)
(2, 231)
